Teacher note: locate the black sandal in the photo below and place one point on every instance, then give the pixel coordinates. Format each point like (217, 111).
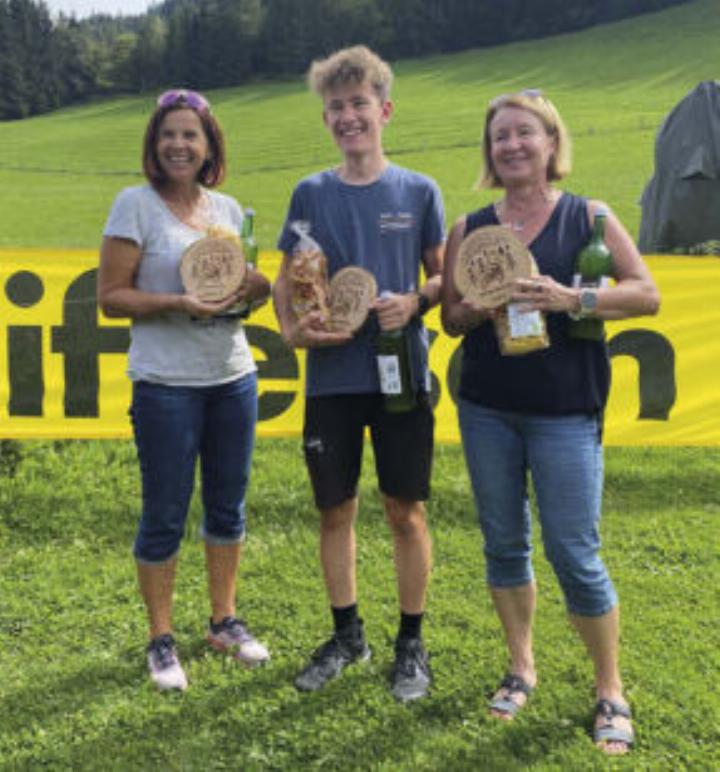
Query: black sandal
(607, 732)
(513, 684)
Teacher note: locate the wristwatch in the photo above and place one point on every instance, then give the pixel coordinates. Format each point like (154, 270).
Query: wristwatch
(588, 303)
(423, 304)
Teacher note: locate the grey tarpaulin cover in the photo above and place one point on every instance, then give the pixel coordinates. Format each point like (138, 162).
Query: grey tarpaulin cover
(681, 203)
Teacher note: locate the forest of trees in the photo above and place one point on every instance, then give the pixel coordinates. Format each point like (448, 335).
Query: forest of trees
(46, 63)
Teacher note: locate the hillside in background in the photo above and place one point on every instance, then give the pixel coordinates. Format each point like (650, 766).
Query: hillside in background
(613, 85)
(48, 63)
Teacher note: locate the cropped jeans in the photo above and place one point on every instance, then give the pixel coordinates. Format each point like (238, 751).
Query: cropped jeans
(173, 426)
(564, 457)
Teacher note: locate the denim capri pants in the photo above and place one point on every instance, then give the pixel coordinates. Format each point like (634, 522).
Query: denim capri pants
(565, 459)
(173, 426)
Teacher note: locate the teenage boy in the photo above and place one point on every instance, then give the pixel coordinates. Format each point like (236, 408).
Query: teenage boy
(371, 213)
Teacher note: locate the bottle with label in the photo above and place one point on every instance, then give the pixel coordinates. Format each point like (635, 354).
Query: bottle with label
(395, 369)
(593, 269)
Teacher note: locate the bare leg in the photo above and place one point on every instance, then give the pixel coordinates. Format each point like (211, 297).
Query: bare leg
(601, 635)
(222, 565)
(516, 608)
(412, 548)
(157, 581)
(337, 552)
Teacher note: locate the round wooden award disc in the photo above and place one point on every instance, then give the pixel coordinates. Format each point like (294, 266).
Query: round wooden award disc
(489, 261)
(212, 268)
(352, 291)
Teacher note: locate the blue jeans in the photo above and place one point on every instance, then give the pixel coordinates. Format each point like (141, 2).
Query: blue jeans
(564, 457)
(174, 425)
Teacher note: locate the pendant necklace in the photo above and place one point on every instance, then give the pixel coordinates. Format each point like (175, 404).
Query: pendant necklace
(518, 225)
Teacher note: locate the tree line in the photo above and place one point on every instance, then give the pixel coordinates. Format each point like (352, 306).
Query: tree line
(46, 63)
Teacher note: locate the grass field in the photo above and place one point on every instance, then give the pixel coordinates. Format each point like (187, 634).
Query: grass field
(74, 693)
(613, 84)
(73, 689)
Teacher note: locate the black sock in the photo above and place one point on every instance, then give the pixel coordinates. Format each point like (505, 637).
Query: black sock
(410, 625)
(345, 616)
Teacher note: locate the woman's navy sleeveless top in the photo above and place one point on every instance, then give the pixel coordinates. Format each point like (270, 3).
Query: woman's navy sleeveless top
(572, 375)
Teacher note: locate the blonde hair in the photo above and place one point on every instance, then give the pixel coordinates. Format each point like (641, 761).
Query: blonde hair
(357, 64)
(544, 110)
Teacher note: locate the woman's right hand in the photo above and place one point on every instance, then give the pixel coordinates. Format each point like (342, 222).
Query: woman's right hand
(459, 315)
(204, 309)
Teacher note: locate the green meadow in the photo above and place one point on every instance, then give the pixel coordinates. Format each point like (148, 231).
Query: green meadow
(74, 694)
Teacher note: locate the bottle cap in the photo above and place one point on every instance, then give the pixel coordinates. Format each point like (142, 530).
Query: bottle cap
(249, 211)
(602, 211)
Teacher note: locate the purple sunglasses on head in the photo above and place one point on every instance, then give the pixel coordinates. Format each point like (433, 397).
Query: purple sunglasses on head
(184, 97)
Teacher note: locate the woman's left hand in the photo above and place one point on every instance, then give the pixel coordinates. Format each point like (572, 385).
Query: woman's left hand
(255, 289)
(543, 293)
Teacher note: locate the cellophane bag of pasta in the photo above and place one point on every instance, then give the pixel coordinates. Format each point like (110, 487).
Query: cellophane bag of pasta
(215, 231)
(520, 332)
(308, 275)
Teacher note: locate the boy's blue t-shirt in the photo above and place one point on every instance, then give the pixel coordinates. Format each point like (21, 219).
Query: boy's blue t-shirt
(383, 227)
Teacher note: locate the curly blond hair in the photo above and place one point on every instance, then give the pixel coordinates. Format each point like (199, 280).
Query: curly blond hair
(357, 64)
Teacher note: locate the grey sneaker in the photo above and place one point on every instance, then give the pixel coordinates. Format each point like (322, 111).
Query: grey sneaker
(328, 661)
(232, 635)
(411, 676)
(164, 665)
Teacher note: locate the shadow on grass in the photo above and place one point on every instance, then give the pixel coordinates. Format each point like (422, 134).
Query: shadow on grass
(256, 719)
(53, 698)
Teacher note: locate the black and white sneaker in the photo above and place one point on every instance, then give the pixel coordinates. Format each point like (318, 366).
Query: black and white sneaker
(411, 676)
(330, 659)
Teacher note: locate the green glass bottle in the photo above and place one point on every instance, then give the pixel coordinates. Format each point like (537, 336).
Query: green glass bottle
(250, 251)
(395, 370)
(247, 237)
(593, 269)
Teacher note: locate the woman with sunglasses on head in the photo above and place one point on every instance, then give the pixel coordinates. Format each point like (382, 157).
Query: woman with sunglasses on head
(193, 376)
(542, 412)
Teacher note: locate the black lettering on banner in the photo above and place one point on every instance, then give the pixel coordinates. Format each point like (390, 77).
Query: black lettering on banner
(24, 345)
(27, 386)
(656, 366)
(81, 340)
(281, 363)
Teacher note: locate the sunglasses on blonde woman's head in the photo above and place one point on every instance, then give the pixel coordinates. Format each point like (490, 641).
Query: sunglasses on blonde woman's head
(531, 93)
(184, 98)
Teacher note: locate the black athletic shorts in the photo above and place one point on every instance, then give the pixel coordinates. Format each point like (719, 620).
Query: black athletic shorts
(333, 443)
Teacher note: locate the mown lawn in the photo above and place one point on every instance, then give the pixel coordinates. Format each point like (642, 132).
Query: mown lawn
(74, 692)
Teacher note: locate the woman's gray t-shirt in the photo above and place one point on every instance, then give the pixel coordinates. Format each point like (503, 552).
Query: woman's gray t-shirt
(172, 348)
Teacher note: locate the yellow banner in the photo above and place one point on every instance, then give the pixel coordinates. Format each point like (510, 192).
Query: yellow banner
(62, 364)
